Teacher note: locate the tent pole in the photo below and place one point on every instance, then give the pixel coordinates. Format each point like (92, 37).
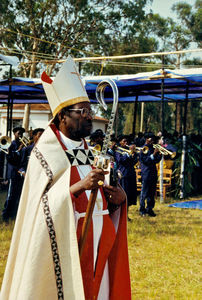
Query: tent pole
(162, 100)
(184, 139)
(185, 109)
(161, 179)
(11, 102)
(162, 130)
(135, 115)
(142, 117)
(25, 123)
(9, 121)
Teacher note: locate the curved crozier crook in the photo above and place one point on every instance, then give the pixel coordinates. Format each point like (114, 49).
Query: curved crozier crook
(100, 97)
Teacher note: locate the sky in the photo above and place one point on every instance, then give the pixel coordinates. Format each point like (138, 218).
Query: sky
(163, 7)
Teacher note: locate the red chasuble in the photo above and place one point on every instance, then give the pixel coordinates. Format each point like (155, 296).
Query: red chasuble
(112, 248)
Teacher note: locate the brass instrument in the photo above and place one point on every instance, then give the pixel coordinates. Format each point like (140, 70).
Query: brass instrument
(25, 141)
(121, 150)
(164, 151)
(97, 149)
(5, 142)
(144, 149)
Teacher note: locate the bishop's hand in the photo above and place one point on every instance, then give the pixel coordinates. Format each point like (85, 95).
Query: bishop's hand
(90, 182)
(114, 194)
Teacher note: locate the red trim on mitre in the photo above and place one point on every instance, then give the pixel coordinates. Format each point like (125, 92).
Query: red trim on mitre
(46, 78)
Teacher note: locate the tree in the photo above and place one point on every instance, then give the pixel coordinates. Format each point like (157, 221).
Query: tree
(191, 18)
(171, 37)
(38, 30)
(51, 29)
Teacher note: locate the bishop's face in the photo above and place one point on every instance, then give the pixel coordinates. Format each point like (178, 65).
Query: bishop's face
(77, 122)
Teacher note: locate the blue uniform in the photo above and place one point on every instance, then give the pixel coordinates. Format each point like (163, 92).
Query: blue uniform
(15, 181)
(25, 154)
(125, 164)
(149, 178)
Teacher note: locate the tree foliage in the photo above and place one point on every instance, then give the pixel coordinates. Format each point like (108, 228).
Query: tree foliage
(43, 30)
(191, 18)
(37, 29)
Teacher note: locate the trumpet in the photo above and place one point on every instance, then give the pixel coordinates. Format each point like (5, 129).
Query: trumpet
(5, 142)
(121, 150)
(164, 151)
(97, 149)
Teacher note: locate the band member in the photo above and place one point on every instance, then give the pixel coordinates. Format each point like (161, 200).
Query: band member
(14, 178)
(149, 157)
(113, 146)
(169, 159)
(97, 138)
(26, 151)
(126, 162)
(44, 262)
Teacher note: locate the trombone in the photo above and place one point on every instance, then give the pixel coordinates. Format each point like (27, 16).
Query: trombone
(5, 142)
(24, 140)
(164, 151)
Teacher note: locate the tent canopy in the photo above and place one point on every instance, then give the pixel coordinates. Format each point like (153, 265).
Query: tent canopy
(143, 87)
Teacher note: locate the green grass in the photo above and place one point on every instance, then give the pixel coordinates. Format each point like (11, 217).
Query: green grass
(164, 252)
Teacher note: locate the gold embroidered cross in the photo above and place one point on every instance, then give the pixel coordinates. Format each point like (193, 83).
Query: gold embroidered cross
(77, 74)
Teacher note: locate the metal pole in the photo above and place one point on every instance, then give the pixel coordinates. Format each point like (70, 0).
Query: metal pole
(11, 102)
(183, 158)
(182, 167)
(135, 115)
(185, 109)
(161, 180)
(8, 128)
(162, 129)
(162, 100)
(142, 117)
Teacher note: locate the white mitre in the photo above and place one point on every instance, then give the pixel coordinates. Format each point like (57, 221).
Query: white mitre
(66, 89)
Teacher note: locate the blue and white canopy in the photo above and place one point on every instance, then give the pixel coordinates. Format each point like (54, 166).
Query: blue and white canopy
(143, 87)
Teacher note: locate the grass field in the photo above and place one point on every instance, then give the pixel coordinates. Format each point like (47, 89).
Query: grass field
(165, 252)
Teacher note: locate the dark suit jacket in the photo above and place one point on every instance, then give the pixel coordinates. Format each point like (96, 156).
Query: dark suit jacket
(13, 159)
(126, 164)
(26, 152)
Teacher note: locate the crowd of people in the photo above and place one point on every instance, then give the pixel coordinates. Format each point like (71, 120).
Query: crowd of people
(17, 158)
(129, 153)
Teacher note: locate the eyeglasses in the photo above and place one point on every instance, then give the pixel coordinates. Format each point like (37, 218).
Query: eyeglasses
(84, 111)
